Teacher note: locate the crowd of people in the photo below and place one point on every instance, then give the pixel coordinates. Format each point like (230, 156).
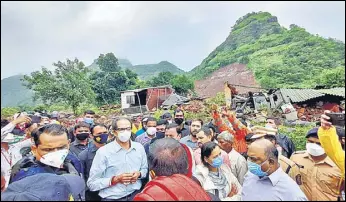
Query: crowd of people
(224, 158)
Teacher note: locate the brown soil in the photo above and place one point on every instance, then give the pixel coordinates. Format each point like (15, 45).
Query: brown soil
(235, 74)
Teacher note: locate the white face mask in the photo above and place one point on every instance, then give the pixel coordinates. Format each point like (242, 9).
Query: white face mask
(124, 136)
(151, 131)
(54, 159)
(314, 149)
(170, 121)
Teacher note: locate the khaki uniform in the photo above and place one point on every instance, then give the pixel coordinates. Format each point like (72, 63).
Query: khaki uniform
(319, 181)
(289, 167)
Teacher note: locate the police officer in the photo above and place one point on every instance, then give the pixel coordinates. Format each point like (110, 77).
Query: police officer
(320, 177)
(86, 157)
(288, 166)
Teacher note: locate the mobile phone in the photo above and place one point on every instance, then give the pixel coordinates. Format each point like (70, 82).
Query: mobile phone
(337, 119)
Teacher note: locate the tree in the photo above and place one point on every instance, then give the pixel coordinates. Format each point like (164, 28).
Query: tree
(108, 63)
(68, 84)
(111, 80)
(182, 84)
(332, 77)
(164, 78)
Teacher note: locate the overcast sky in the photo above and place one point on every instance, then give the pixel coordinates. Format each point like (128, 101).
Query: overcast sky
(35, 34)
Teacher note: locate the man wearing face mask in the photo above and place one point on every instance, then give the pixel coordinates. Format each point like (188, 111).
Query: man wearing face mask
(82, 133)
(287, 165)
(191, 140)
(266, 181)
(50, 154)
(179, 119)
(161, 130)
(320, 177)
(150, 132)
(89, 117)
(100, 138)
(119, 166)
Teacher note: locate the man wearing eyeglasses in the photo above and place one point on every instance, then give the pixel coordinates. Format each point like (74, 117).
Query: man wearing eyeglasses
(119, 166)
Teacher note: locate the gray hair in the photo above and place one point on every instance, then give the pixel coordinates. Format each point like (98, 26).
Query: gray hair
(116, 120)
(227, 136)
(167, 157)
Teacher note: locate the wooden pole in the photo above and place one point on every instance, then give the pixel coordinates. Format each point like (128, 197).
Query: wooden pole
(140, 105)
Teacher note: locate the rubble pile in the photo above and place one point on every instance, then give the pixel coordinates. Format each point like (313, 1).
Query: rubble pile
(313, 113)
(105, 108)
(194, 106)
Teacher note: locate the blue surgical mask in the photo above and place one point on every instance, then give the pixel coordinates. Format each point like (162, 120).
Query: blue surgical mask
(256, 169)
(89, 121)
(217, 162)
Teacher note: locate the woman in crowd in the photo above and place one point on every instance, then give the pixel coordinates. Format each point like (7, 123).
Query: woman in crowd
(216, 177)
(204, 136)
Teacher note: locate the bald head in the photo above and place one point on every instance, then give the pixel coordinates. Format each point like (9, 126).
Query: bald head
(266, 147)
(263, 150)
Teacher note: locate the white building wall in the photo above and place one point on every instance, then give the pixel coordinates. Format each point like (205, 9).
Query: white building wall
(124, 105)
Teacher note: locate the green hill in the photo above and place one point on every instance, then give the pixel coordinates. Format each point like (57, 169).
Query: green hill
(148, 71)
(279, 57)
(13, 93)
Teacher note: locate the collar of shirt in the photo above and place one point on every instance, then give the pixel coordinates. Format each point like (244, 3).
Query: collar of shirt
(118, 147)
(274, 177)
(327, 160)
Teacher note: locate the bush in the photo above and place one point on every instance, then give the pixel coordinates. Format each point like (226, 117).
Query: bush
(297, 134)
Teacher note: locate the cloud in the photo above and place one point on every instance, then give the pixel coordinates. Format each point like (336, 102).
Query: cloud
(35, 34)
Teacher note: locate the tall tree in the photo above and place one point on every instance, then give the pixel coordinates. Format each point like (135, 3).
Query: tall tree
(164, 78)
(182, 84)
(68, 84)
(111, 80)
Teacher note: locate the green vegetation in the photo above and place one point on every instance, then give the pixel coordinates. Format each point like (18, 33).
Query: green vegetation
(13, 93)
(111, 79)
(146, 72)
(181, 83)
(279, 57)
(69, 84)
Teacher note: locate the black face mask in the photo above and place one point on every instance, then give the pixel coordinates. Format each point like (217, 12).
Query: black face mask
(82, 136)
(179, 121)
(160, 135)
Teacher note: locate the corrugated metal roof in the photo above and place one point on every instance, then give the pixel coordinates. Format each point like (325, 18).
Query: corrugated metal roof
(334, 91)
(139, 90)
(300, 95)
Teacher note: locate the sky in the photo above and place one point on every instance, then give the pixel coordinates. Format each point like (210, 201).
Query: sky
(36, 34)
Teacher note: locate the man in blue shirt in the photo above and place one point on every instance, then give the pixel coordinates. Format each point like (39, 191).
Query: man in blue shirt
(266, 181)
(150, 132)
(119, 166)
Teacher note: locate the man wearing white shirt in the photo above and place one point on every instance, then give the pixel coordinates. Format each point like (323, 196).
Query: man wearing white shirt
(238, 162)
(10, 151)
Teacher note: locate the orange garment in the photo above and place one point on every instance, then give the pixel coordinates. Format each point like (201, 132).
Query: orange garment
(239, 131)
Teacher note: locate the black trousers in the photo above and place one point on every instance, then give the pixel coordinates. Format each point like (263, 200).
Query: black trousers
(125, 198)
